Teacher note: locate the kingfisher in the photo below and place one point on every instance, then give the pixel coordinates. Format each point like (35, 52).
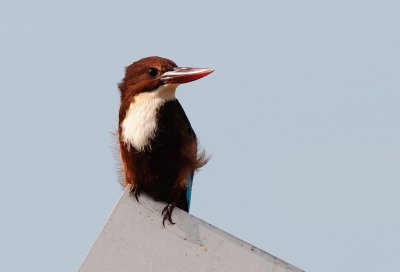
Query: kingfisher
(158, 146)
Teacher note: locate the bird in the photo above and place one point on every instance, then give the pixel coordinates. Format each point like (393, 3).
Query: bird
(158, 146)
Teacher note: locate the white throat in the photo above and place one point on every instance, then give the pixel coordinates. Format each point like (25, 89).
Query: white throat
(140, 124)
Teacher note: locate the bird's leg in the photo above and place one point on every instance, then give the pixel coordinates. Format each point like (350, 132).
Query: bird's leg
(135, 191)
(167, 213)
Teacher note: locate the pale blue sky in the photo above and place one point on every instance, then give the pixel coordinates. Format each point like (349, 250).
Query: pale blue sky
(301, 117)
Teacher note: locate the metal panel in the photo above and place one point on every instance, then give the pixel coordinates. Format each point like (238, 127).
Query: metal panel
(134, 239)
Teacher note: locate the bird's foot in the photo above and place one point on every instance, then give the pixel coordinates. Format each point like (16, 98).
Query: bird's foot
(167, 213)
(135, 191)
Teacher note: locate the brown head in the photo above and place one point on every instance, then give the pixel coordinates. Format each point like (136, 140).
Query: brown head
(148, 74)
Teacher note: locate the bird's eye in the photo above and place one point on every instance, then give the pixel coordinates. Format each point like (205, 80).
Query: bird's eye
(152, 72)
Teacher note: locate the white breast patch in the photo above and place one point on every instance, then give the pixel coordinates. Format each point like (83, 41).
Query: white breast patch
(140, 124)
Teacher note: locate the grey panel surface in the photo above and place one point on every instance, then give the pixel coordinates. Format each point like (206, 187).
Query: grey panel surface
(134, 239)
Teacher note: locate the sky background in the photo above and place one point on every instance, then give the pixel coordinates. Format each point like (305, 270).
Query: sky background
(301, 117)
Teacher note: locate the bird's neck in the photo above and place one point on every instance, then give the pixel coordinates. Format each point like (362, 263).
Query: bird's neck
(139, 126)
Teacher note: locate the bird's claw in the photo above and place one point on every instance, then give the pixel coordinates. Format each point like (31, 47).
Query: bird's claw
(167, 213)
(135, 191)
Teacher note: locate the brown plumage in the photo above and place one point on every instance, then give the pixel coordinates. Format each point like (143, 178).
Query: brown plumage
(158, 146)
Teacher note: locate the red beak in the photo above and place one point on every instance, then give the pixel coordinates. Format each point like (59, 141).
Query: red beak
(182, 75)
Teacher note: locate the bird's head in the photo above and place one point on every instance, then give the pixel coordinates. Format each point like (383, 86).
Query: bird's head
(151, 73)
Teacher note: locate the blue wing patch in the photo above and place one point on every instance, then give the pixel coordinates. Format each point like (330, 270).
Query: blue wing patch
(189, 189)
